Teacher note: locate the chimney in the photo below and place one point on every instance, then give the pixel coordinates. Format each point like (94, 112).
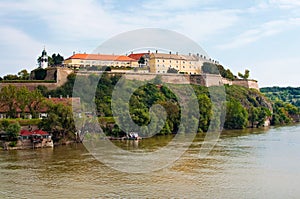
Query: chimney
(176, 53)
(149, 51)
(156, 51)
(189, 54)
(73, 52)
(60, 96)
(197, 54)
(131, 52)
(170, 52)
(49, 96)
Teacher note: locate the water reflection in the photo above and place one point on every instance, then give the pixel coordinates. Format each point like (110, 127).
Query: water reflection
(244, 164)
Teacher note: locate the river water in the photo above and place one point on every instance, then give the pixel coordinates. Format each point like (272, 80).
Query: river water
(243, 164)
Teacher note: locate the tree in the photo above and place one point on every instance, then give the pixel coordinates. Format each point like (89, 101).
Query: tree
(141, 60)
(23, 99)
(56, 60)
(8, 100)
(253, 115)
(244, 76)
(10, 77)
(210, 68)
(59, 121)
(236, 115)
(36, 100)
(172, 70)
(23, 74)
(40, 74)
(13, 131)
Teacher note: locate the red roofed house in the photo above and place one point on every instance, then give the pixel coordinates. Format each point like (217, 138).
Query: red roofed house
(34, 139)
(141, 57)
(42, 109)
(88, 60)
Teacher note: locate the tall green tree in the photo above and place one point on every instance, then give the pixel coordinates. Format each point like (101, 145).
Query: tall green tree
(236, 115)
(8, 95)
(59, 121)
(245, 75)
(23, 74)
(23, 97)
(13, 130)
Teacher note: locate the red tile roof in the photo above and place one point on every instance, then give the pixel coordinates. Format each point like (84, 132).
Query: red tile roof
(25, 133)
(101, 57)
(136, 56)
(37, 131)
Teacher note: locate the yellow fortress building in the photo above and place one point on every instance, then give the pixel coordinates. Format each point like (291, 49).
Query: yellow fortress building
(187, 64)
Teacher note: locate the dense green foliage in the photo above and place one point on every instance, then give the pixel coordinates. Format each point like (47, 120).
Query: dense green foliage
(245, 75)
(244, 107)
(286, 94)
(172, 70)
(40, 73)
(59, 122)
(13, 131)
(286, 104)
(22, 75)
(217, 69)
(13, 99)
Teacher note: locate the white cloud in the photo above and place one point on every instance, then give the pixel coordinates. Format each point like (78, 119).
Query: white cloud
(264, 30)
(277, 71)
(285, 4)
(18, 50)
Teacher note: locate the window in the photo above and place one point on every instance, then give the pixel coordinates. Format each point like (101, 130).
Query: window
(177, 61)
(163, 65)
(184, 62)
(158, 60)
(176, 66)
(183, 66)
(170, 61)
(157, 65)
(163, 60)
(190, 62)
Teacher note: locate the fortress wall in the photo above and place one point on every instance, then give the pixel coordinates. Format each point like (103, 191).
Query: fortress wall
(246, 83)
(62, 75)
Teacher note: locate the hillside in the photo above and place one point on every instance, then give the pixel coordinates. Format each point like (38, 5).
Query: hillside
(244, 107)
(286, 94)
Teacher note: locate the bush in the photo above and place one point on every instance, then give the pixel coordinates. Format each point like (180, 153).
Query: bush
(40, 74)
(13, 144)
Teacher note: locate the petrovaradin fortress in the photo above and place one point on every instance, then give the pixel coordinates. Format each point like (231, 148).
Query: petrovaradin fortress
(135, 66)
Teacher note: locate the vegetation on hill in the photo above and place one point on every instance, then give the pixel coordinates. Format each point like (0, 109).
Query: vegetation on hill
(211, 68)
(286, 94)
(286, 102)
(14, 100)
(244, 107)
(22, 75)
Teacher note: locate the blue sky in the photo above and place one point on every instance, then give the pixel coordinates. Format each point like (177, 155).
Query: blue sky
(260, 35)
